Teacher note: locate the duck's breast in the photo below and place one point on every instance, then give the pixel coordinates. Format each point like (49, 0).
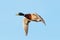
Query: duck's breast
(28, 16)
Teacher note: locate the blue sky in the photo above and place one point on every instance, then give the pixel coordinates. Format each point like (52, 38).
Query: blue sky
(11, 26)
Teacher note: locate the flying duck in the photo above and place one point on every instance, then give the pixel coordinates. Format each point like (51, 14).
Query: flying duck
(30, 17)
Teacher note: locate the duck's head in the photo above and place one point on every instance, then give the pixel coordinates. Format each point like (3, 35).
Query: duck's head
(20, 14)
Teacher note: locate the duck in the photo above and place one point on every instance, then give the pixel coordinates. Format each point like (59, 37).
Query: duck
(28, 17)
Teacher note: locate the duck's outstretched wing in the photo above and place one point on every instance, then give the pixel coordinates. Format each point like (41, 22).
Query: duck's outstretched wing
(41, 19)
(26, 23)
(38, 18)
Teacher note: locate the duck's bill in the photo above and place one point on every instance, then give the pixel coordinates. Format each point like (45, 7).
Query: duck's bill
(17, 15)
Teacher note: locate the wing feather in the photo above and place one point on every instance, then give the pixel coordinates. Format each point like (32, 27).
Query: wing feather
(26, 23)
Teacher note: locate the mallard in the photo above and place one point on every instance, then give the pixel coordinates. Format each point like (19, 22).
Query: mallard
(30, 17)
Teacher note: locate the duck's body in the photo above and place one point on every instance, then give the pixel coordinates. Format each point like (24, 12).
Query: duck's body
(30, 17)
